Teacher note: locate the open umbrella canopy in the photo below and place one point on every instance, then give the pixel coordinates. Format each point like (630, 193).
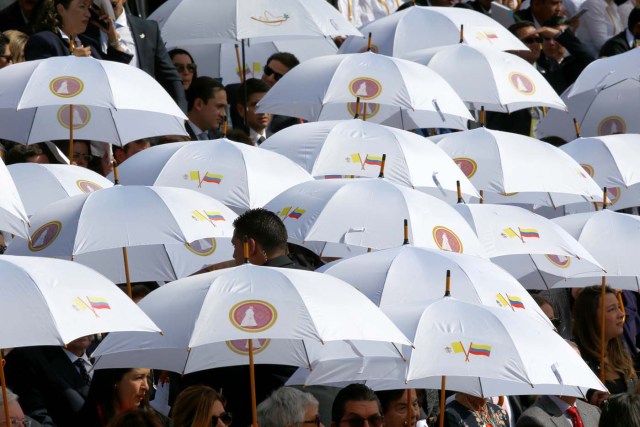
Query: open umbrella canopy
(52, 302)
(207, 320)
(13, 216)
(331, 149)
(509, 83)
(240, 176)
(390, 91)
(185, 22)
(369, 212)
(424, 27)
(607, 72)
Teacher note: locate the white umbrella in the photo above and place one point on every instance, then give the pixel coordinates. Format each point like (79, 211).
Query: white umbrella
(52, 302)
(607, 72)
(42, 184)
(392, 92)
(425, 27)
(185, 22)
(370, 212)
(352, 147)
(502, 164)
(240, 176)
(411, 276)
(13, 216)
(112, 102)
(509, 83)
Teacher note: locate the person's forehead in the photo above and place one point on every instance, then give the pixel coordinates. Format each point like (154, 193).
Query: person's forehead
(363, 408)
(181, 58)
(257, 96)
(526, 31)
(278, 66)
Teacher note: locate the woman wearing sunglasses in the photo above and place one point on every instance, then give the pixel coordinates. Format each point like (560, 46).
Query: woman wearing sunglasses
(185, 65)
(200, 406)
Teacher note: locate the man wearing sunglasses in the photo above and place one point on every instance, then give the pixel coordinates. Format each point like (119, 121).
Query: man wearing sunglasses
(277, 66)
(356, 405)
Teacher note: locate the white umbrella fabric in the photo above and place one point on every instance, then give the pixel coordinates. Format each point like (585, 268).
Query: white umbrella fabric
(390, 91)
(606, 72)
(13, 216)
(112, 102)
(331, 149)
(426, 27)
(238, 175)
(42, 184)
(503, 164)
(369, 212)
(509, 83)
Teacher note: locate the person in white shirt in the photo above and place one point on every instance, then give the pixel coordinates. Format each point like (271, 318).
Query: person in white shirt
(601, 22)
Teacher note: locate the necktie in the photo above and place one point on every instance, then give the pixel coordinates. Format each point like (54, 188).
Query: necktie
(573, 413)
(83, 371)
(260, 140)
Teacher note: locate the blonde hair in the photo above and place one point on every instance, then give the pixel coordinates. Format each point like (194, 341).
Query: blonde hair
(17, 41)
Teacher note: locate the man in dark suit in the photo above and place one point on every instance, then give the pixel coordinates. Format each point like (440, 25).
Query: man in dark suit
(207, 107)
(540, 11)
(52, 382)
(555, 411)
(141, 38)
(626, 40)
(16, 16)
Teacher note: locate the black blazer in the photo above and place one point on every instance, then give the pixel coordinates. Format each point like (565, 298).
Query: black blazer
(46, 44)
(615, 45)
(11, 19)
(49, 385)
(563, 75)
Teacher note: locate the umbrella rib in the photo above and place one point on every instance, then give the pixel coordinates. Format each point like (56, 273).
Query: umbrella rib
(306, 355)
(31, 126)
(539, 272)
(184, 368)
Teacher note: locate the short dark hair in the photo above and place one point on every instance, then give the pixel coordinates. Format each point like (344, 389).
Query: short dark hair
(352, 392)
(387, 396)
(634, 18)
(289, 60)
(253, 86)
(520, 25)
(203, 88)
(20, 153)
(264, 227)
(621, 410)
(556, 21)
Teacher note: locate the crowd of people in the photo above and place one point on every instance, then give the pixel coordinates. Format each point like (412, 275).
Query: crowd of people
(57, 386)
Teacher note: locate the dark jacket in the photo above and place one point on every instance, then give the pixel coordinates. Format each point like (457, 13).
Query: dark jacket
(46, 44)
(615, 45)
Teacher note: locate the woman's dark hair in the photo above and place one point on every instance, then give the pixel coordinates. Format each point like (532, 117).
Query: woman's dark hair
(192, 407)
(621, 410)
(586, 330)
(45, 15)
(103, 394)
(177, 51)
(135, 418)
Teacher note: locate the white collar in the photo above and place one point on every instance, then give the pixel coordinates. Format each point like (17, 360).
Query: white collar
(66, 37)
(630, 38)
(72, 357)
(122, 20)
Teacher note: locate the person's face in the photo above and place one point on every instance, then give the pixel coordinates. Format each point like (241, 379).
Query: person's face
(278, 69)
(545, 9)
(136, 147)
(396, 415)
(256, 121)
(81, 154)
(118, 7)
(548, 310)
(365, 412)
(530, 37)
(15, 414)
(311, 417)
(75, 18)
(214, 110)
(80, 345)
(6, 59)
(216, 410)
(238, 252)
(552, 49)
(184, 65)
(38, 158)
(132, 388)
(613, 317)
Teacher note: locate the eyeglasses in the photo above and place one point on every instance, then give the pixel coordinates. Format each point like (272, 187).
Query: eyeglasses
(85, 157)
(531, 40)
(186, 67)
(225, 417)
(269, 71)
(373, 421)
(15, 422)
(315, 421)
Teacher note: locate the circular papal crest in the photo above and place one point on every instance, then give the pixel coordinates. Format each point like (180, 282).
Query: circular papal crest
(242, 346)
(612, 125)
(522, 83)
(446, 239)
(253, 315)
(202, 247)
(44, 236)
(66, 86)
(365, 88)
(367, 109)
(87, 186)
(560, 261)
(588, 169)
(613, 195)
(81, 116)
(467, 165)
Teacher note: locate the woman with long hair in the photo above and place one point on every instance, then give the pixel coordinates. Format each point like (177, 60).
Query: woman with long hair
(200, 406)
(620, 375)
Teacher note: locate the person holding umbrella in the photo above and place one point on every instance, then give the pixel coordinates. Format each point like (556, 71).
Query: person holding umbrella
(60, 24)
(620, 375)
